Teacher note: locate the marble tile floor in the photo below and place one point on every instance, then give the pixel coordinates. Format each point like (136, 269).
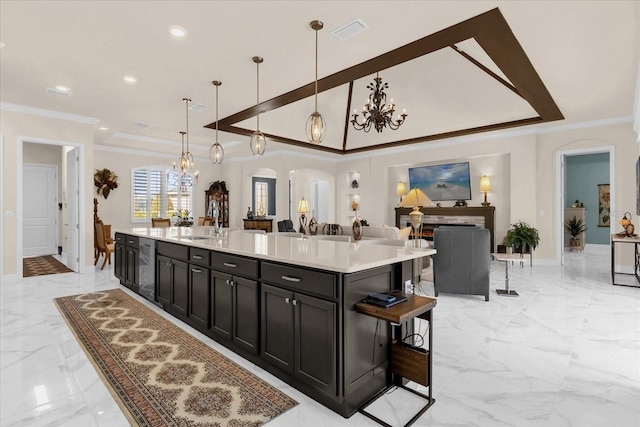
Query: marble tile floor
(566, 353)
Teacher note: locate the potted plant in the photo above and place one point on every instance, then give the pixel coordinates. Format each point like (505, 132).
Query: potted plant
(183, 218)
(575, 227)
(522, 236)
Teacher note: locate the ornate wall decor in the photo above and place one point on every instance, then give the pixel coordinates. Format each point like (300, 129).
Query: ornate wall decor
(106, 181)
(604, 212)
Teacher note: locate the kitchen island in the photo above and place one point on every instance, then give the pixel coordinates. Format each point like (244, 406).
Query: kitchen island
(286, 304)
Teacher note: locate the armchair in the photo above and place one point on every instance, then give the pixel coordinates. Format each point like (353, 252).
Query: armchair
(463, 260)
(286, 226)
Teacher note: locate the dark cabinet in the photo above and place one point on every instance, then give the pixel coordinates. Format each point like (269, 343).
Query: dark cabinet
(299, 336)
(132, 257)
(199, 296)
(127, 260)
(234, 309)
(172, 279)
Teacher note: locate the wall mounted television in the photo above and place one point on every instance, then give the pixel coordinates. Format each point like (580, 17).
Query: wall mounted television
(450, 181)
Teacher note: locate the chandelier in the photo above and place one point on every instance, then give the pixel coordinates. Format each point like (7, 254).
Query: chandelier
(376, 113)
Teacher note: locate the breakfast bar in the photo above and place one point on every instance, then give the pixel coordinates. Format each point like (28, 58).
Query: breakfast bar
(285, 303)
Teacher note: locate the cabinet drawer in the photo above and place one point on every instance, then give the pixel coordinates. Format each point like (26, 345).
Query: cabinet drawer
(131, 241)
(121, 238)
(235, 265)
(308, 281)
(173, 251)
(199, 256)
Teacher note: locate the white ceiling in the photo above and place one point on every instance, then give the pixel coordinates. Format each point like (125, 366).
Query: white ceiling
(586, 53)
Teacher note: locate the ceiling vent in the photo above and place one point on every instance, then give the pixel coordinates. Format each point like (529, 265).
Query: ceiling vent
(349, 29)
(58, 91)
(196, 108)
(141, 125)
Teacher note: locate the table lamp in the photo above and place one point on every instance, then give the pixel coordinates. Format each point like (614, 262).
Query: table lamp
(303, 208)
(416, 198)
(485, 187)
(400, 189)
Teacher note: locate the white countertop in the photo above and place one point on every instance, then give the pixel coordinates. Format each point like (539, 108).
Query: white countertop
(340, 257)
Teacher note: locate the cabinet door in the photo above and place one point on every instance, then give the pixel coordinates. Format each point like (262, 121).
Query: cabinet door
(163, 280)
(245, 314)
(131, 268)
(199, 297)
(180, 289)
(118, 268)
(315, 342)
(221, 304)
(277, 327)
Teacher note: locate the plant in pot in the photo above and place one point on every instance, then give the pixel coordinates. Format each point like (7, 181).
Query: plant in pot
(522, 236)
(575, 227)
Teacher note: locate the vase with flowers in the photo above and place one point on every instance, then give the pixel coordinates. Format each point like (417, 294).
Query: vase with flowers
(106, 181)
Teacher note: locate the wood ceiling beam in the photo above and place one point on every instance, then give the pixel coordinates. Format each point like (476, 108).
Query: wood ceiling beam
(490, 30)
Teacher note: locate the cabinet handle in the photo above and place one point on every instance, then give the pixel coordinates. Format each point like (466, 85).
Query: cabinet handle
(232, 283)
(287, 300)
(168, 263)
(197, 257)
(196, 270)
(291, 279)
(230, 264)
(131, 241)
(294, 302)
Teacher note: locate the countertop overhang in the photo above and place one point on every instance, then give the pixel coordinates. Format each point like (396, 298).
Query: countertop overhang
(334, 256)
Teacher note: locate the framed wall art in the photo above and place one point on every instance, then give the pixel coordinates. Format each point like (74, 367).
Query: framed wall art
(604, 212)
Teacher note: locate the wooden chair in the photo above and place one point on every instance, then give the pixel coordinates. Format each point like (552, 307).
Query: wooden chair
(102, 246)
(160, 222)
(205, 220)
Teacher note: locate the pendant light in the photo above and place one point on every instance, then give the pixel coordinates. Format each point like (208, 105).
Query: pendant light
(216, 153)
(188, 157)
(258, 141)
(315, 124)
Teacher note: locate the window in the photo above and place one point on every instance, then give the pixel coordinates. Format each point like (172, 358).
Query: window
(264, 195)
(159, 193)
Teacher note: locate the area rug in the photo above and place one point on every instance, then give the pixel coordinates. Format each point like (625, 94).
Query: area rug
(159, 374)
(42, 265)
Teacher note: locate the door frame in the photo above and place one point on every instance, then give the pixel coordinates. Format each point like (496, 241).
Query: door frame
(56, 174)
(561, 156)
(19, 197)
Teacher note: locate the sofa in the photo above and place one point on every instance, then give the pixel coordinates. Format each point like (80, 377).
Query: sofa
(463, 260)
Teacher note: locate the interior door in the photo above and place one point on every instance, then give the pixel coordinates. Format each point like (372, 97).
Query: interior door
(72, 209)
(40, 225)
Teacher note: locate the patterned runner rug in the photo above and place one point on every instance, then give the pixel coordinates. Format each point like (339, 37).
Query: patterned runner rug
(159, 374)
(42, 265)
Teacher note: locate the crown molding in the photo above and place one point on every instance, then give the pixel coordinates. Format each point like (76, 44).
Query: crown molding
(584, 125)
(25, 109)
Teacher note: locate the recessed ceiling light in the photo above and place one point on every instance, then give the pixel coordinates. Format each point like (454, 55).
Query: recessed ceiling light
(129, 79)
(63, 88)
(57, 91)
(103, 128)
(177, 31)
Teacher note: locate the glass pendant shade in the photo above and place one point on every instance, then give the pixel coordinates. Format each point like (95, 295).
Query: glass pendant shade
(315, 128)
(258, 143)
(216, 152)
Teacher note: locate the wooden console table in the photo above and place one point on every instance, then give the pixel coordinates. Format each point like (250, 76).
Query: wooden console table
(258, 224)
(407, 361)
(636, 259)
(436, 217)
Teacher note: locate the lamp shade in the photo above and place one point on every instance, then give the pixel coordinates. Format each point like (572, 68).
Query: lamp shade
(415, 197)
(485, 183)
(303, 206)
(400, 188)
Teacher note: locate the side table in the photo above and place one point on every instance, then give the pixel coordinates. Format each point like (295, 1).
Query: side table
(406, 361)
(636, 259)
(508, 259)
